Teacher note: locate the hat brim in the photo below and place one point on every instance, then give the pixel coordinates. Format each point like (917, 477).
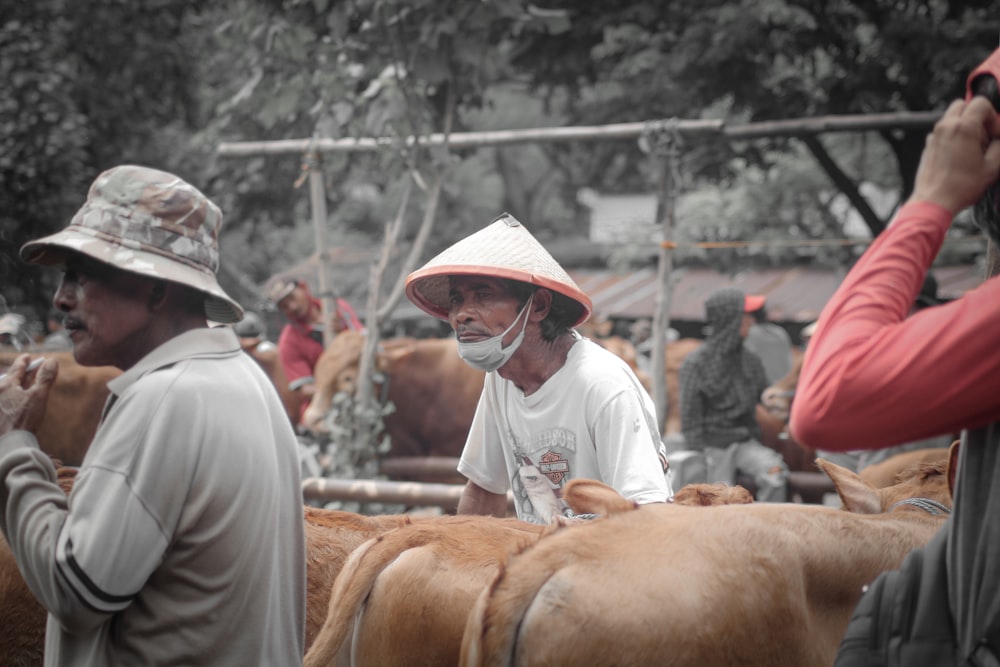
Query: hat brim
(428, 288)
(51, 251)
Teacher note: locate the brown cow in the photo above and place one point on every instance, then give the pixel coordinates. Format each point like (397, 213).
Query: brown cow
(441, 565)
(888, 472)
(265, 353)
(330, 537)
(403, 597)
(433, 391)
(757, 584)
(78, 395)
(74, 408)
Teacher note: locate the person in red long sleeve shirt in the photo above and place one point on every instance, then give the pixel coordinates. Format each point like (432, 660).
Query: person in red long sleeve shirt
(300, 343)
(875, 376)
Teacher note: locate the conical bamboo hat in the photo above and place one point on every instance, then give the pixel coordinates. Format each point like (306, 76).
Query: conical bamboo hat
(503, 249)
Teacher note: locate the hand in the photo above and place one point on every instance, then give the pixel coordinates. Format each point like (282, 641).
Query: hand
(23, 397)
(962, 156)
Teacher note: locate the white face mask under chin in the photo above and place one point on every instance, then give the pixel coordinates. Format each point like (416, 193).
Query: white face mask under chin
(489, 355)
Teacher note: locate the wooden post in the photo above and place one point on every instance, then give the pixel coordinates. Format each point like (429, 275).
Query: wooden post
(663, 141)
(317, 202)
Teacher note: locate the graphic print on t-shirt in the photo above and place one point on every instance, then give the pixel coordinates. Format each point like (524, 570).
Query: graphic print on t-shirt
(544, 466)
(544, 500)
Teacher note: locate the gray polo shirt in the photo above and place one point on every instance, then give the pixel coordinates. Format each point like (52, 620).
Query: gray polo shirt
(182, 540)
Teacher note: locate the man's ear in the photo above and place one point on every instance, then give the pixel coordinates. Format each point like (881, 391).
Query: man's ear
(541, 303)
(157, 293)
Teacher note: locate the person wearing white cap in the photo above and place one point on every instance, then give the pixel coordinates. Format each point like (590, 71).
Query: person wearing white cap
(720, 387)
(555, 406)
(182, 539)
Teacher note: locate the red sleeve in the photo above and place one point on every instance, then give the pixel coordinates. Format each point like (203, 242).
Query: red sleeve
(873, 377)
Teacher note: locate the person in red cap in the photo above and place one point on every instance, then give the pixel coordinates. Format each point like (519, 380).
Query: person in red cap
(876, 375)
(555, 406)
(720, 386)
(300, 342)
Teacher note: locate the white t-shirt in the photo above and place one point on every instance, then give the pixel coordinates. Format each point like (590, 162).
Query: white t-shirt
(591, 420)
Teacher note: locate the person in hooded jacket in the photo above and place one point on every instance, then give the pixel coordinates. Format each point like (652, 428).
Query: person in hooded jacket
(720, 387)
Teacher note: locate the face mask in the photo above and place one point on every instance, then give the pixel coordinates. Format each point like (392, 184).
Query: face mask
(489, 355)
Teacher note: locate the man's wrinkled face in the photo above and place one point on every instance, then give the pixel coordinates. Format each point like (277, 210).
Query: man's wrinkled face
(481, 307)
(107, 311)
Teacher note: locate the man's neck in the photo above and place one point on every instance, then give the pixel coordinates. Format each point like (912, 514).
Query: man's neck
(536, 361)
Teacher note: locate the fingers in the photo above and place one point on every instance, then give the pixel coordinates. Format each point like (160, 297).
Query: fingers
(47, 372)
(17, 370)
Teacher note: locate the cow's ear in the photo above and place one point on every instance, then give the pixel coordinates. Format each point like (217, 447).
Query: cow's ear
(953, 466)
(397, 353)
(857, 495)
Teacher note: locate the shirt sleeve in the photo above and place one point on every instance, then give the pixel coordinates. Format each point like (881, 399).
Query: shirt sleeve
(628, 449)
(875, 377)
(482, 461)
(33, 513)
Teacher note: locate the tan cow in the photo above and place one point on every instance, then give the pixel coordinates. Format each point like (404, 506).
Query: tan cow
(402, 598)
(757, 584)
(265, 353)
(74, 407)
(433, 391)
(78, 395)
(888, 472)
(330, 538)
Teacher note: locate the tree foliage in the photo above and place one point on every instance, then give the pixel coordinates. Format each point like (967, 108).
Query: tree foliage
(165, 80)
(87, 84)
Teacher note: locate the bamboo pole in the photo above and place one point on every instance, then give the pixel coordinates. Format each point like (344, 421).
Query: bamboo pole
(776, 128)
(317, 202)
(668, 153)
(445, 496)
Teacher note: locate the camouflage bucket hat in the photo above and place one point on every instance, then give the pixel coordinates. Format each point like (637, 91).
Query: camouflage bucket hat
(148, 222)
(504, 249)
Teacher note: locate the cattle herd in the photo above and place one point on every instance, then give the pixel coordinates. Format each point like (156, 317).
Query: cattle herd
(709, 579)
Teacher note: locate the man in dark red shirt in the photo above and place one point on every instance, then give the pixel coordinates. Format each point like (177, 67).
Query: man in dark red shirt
(300, 343)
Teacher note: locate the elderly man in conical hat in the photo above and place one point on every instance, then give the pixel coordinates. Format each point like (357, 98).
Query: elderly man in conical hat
(555, 406)
(182, 540)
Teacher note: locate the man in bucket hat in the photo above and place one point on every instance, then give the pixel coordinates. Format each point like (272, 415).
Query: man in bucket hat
(182, 539)
(555, 406)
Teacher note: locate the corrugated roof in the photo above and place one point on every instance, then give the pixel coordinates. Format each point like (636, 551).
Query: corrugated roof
(793, 294)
